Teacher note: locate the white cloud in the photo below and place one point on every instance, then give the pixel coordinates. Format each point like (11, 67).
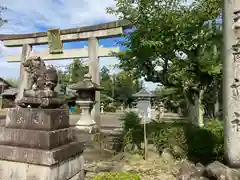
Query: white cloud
(27, 16)
(24, 17)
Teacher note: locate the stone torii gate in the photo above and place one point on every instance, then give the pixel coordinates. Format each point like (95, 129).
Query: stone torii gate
(55, 38)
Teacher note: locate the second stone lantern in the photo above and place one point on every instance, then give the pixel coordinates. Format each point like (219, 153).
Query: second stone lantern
(86, 99)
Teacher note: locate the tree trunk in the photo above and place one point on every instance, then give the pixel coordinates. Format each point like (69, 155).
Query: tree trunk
(199, 109)
(217, 103)
(196, 111)
(216, 108)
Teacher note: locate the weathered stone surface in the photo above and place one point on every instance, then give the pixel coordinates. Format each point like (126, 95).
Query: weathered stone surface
(167, 156)
(90, 129)
(35, 138)
(37, 119)
(119, 23)
(219, 171)
(40, 94)
(71, 169)
(190, 172)
(38, 102)
(41, 157)
(198, 178)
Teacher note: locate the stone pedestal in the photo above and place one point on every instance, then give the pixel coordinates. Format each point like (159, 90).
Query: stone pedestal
(38, 144)
(86, 123)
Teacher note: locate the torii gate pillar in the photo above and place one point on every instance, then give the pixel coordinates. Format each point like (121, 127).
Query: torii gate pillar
(94, 72)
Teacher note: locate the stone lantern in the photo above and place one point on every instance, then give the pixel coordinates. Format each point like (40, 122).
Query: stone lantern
(143, 100)
(86, 99)
(161, 109)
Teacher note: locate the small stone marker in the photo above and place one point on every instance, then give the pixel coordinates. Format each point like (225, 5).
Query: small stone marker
(231, 82)
(144, 103)
(102, 106)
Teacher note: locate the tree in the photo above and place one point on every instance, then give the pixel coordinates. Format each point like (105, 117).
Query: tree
(2, 21)
(126, 84)
(106, 82)
(119, 86)
(73, 73)
(77, 70)
(178, 38)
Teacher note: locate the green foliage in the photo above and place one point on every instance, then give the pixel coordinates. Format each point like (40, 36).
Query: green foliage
(181, 139)
(130, 121)
(126, 84)
(164, 27)
(110, 108)
(117, 176)
(198, 144)
(72, 73)
(133, 129)
(217, 132)
(77, 70)
(106, 82)
(170, 136)
(119, 86)
(183, 40)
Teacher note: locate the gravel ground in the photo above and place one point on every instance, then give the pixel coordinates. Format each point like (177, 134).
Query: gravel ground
(154, 168)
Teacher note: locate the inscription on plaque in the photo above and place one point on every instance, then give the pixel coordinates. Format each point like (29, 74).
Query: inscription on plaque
(33, 177)
(235, 86)
(236, 25)
(20, 117)
(54, 40)
(60, 117)
(236, 57)
(236, 121)
(36, 118)
(236, 89)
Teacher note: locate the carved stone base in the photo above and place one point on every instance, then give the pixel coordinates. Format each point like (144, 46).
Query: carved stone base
(71, 169)
(91, 129)
(36, 102)
(40, 157)
(37, 119)
(36, 139)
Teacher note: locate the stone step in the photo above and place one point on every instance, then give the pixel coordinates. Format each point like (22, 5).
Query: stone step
(96, 154)
(41, 157)
(70, 169)
(36, 138)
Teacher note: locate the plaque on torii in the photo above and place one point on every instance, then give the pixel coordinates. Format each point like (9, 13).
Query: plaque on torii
(54, 41)
(236, 28)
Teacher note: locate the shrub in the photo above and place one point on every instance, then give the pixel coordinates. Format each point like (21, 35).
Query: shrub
(198, 144)
(117, 176)
(130, 121)
(170, 136)
(203, 145)
(110, 108)
(206, 144)
(133, 130)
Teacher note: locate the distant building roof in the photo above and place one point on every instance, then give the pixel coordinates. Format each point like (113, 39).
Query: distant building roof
(10, 92)
(143, 93)
(5, 82)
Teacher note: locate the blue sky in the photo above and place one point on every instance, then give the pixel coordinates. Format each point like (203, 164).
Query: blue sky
(27, 16)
